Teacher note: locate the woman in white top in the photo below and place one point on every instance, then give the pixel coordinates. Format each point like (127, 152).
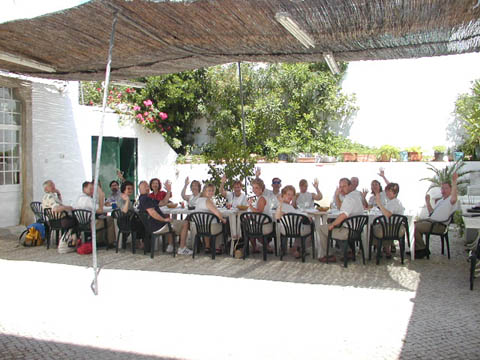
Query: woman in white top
(376, 188)
(285, 207)
(262, 205)
(304, 199)
(195, 187)
(235, 197)
(392, 206)
(205, 203)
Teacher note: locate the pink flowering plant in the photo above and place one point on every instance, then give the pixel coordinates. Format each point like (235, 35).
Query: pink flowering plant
(132, 106)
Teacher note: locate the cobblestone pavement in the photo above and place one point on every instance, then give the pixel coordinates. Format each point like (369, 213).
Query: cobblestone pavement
(179, 308)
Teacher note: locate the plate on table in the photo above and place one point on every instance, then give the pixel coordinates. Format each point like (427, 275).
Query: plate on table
(242, 207)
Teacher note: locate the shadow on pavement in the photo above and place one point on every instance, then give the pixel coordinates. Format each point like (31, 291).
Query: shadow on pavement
(444, 323)
(19, 347)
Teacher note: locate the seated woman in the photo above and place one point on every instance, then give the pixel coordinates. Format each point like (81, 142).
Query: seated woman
(53, 199)
(392, 206)
(235, 197)
(304, 199)
(158, 195)
(195, 187)
(262, 205)
(376, 188)
(285, 207)
(205, 203)
(125, 205)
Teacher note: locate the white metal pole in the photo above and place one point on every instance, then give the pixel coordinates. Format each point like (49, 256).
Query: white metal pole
(99, 152)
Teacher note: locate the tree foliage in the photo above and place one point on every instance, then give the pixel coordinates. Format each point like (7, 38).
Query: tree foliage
(288, 108)
(465, 129)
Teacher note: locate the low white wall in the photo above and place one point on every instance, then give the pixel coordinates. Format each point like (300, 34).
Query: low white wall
(406, 174)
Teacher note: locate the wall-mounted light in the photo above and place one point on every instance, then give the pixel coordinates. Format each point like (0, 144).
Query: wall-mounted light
(292, 27)
(15, 59)
(332, 64)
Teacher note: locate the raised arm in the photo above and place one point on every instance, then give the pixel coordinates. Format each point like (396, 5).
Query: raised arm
(338, 201)
(184, 190)
(429, 205)
(222, 186)
(318, 195)
(382, 175)
(127, 200)
(167, 197)
(454, 194)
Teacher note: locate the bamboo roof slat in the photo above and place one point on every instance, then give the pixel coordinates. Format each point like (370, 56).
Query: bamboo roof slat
(156, 37)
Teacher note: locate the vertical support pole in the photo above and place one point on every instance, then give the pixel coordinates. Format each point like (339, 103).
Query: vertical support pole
(243, 116)
(94, 285)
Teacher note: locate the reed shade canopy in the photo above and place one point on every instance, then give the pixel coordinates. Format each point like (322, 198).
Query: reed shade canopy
(156, 37)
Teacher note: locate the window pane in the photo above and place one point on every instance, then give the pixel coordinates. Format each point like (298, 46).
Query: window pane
(16, 119)
(10, 136)
(8, 178)
(9, 120)
(2, 150)
(2, 115)
(2, 132)
(16, 163)
(3, 105)
(17, 137)
(2, 92)
(17, 107)
(2, 181)
(16, 177)
(15, 151)
(7, 149)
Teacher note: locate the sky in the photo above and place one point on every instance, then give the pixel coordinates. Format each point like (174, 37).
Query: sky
(401, 102)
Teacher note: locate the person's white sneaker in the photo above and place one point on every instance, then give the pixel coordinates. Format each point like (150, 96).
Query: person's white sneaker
(184, 251)
(170, 248)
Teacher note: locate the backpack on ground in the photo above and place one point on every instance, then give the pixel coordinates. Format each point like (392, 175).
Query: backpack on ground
(33, 237)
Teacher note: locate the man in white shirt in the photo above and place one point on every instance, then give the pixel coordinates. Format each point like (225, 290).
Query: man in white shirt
(338, 197)
(85, 201)
(441, 212)
(351, 206)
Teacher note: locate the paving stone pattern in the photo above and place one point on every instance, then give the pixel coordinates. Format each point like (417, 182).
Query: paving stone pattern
(420, 310)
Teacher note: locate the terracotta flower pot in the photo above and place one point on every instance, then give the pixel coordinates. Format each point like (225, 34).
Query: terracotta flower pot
(362, 157)
(349, 156)
(414, 156)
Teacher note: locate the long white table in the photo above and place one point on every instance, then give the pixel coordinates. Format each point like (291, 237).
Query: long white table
(319, 217)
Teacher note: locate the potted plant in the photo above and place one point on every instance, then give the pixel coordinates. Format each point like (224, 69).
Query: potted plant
(284, 153)
(439, 152)
(414, 153)
(387, 153)
(444, 175)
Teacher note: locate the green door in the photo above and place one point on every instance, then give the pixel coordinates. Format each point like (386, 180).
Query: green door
(117, 154)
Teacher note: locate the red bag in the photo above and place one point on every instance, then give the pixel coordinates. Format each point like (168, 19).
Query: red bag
(85, 248)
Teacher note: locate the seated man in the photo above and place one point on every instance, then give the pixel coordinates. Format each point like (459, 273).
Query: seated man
(351, 206)
(53, 199)
(158, 220)
(115, 193)
(85, 201)
(441, 212)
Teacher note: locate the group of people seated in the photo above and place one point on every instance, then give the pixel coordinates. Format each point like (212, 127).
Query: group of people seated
(274, 202)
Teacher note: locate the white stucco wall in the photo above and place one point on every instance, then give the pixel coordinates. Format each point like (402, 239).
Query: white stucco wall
(406, 174)
(62, 141)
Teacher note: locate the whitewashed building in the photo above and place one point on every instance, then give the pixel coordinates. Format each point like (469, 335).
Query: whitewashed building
(46, 134)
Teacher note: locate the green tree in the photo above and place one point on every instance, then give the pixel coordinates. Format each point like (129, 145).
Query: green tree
(294, 107)
(465, 129)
